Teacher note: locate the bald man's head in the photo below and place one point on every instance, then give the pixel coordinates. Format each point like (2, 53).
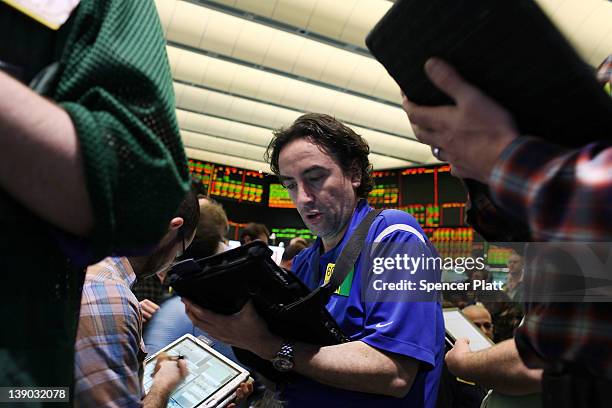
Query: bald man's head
(480, 316)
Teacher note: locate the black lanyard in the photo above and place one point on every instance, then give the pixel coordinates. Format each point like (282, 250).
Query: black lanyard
(348, 256)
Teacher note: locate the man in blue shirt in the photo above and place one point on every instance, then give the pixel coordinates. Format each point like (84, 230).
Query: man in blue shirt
(395, 356)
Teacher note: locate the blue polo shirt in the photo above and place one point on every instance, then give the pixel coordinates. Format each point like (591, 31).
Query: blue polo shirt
(401, 326)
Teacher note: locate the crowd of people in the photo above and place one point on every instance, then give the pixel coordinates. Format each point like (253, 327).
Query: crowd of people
(92, 225)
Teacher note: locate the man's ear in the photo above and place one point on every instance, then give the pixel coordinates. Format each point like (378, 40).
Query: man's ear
(161, 275)
(175, 223)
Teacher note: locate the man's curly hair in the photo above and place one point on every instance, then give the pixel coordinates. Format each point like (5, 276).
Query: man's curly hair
(345, 146)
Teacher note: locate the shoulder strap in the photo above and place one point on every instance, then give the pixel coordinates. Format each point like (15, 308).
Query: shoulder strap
(350, 252)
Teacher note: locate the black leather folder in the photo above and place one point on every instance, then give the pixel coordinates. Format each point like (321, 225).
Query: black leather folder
(225, 282)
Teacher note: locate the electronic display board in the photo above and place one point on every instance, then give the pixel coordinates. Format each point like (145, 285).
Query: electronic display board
(433, 196)
(201, 173)
(427, 215)
(430, 194)
(452, 214)
(386, 190)
(498, 256)
(279, 197)
(418, 186)
(237, 184)
(287, 233)
(450, 188)
(453, 242)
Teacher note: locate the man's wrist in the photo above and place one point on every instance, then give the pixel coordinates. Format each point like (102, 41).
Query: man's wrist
(268, 348)
(458, 364)
(498, 148)
(284, 361)
(163, 386)
(158, 396)
(507, 154)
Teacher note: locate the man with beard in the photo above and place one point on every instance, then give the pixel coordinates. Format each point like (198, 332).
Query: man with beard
(395, 354)
(109, 348)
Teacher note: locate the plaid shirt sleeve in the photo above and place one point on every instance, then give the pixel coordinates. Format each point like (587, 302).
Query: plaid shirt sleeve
(563, 194)
(557, 333)
(108, 348)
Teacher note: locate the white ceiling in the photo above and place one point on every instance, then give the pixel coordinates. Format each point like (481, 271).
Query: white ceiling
(245, 67)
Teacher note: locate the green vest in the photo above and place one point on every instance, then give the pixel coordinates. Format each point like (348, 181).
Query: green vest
(114, 81)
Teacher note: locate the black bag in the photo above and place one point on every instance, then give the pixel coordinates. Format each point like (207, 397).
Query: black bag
(225, 282)
(511, 51)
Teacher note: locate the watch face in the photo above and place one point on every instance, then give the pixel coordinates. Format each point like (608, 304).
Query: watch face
(282, 363)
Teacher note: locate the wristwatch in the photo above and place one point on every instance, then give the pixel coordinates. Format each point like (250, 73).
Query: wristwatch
(283, 361)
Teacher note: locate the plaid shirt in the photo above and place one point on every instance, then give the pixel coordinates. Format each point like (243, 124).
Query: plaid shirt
(151, 288)
(109, 348)
(565, 195)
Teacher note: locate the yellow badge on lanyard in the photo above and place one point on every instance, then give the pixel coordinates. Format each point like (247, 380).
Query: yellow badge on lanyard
(345, 287)
(52, 13)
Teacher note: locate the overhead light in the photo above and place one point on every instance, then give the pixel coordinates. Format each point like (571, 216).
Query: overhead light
(262, 115)
(262, 45)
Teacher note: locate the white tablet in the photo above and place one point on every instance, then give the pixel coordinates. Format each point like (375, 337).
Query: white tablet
(458, 326)
(212, 380)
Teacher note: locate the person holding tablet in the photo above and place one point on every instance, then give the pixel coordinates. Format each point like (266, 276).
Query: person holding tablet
(214, 381)
(109, 348)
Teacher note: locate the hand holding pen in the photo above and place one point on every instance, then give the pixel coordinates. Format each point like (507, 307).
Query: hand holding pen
(163, 356)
